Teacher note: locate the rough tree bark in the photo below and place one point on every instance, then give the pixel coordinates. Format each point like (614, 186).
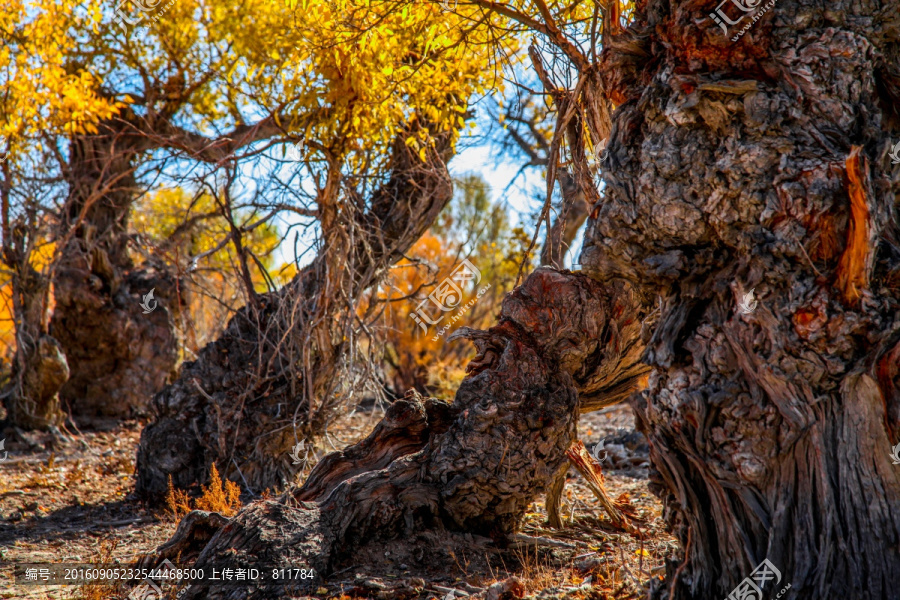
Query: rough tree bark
(762, 164)
(117, 355)
(39, 366)
(474, 465)
(275, 373)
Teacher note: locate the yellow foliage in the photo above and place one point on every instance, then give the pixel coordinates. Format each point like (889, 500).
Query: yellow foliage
(346, 74)
(7, 324)
(43, 90)
(374, 63)
(40, 259)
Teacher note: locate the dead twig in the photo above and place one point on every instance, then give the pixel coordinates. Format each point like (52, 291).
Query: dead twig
(590, 470)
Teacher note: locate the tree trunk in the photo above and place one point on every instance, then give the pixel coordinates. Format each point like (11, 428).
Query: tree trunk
(39, 367)
(278, 373)
(761, 165)
(472, 466)
(118, 355)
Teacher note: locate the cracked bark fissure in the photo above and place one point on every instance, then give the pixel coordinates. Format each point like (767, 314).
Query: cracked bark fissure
(762, 164)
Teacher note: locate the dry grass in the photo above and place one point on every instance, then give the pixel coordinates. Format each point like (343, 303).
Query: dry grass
(178, 501)
(102, 591)
(217, 497)
(538, 573)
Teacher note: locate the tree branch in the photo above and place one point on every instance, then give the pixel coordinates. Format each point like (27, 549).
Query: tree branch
(547, 28)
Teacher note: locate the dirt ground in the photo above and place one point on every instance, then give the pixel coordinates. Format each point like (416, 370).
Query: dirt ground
(69, 502)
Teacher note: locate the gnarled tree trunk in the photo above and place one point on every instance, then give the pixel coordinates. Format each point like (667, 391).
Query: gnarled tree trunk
(761, 164)
(118, 355)
(275, 375)
(474, 465)
(39, 367)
